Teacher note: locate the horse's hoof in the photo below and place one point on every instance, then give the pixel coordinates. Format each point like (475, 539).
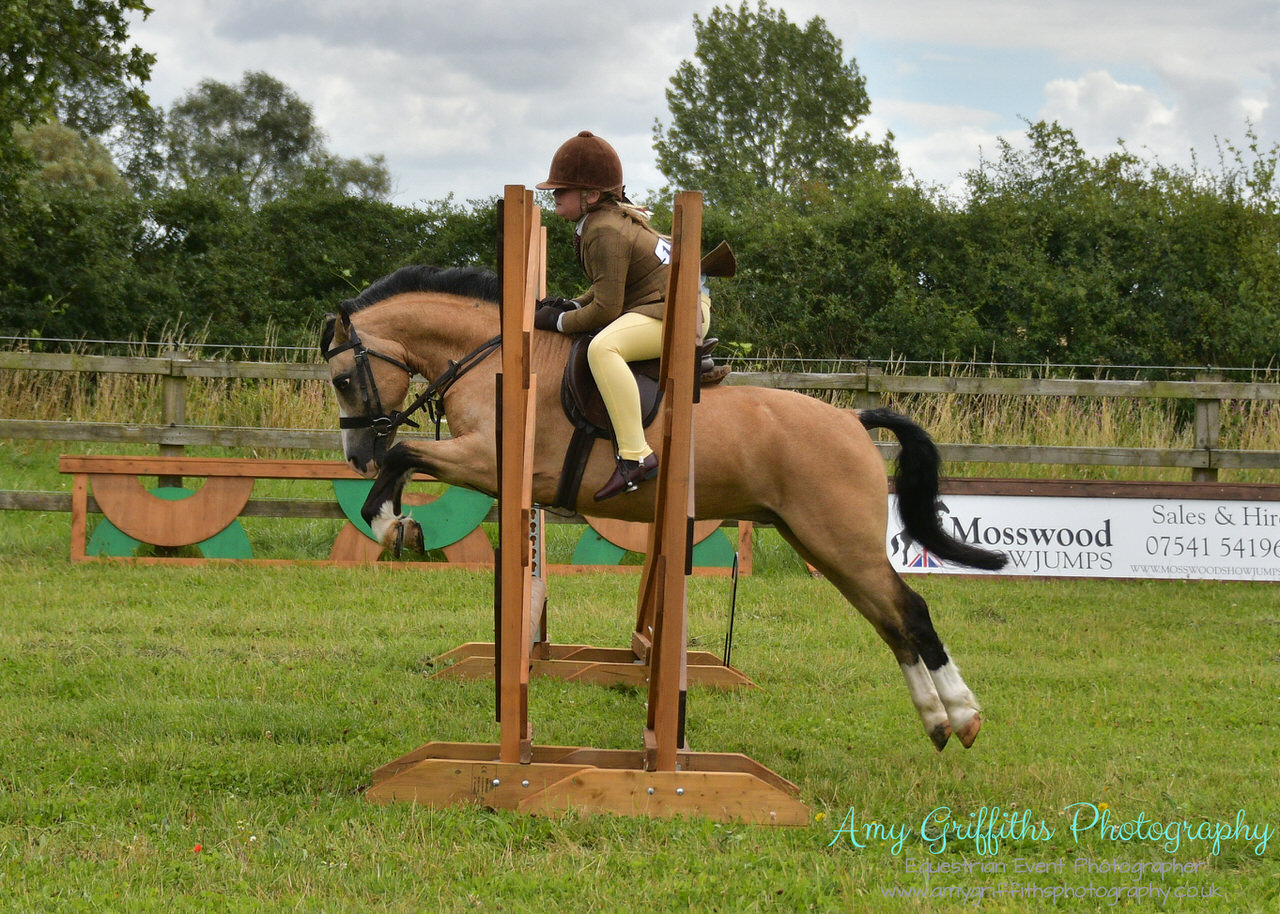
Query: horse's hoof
(940, 734)
(411, 537)
(407, 536)
(969, 732)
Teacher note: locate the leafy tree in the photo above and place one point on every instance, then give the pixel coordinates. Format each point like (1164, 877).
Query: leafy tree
(366, 178)
(62, 156)
(204, 266)
(1068, 258)
(767, 106)
(133, 134)
(67, 264)
(52, 44)
(849, 279)
(324, 246)
(257, 140)
(48, 46)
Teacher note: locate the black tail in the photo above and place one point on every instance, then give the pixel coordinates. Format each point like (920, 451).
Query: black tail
(917, 486)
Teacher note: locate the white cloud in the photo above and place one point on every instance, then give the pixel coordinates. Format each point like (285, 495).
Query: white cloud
(465, 96)
(1101, 110)
(937, 144)
(460, 97)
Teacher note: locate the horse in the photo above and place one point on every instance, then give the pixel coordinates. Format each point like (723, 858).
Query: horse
(774, 457)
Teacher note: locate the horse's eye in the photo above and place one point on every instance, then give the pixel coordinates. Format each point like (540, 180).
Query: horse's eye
(341, 384)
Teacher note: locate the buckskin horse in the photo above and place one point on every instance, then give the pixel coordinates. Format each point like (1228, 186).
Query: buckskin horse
(768, 456)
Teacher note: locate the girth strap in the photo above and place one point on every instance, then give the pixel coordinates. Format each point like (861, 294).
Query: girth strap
(575, 465)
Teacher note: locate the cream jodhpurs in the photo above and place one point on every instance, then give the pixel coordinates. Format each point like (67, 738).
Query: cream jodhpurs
(630, 338)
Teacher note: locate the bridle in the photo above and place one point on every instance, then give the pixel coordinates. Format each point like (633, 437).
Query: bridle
(385, 423)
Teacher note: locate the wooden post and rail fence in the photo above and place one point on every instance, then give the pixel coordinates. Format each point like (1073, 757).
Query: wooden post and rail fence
(866, 387)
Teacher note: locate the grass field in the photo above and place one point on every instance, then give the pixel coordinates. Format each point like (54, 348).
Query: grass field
(198, 739)
(181, 739)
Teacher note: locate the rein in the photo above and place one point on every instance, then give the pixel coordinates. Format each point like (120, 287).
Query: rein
(432, 399)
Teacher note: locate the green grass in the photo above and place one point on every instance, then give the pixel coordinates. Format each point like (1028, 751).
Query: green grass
(150, 710)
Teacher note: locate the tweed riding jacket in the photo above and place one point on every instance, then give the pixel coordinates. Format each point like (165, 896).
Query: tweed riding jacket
(626, 263)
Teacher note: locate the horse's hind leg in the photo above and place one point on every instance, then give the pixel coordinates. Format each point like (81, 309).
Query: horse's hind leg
(934, 669)
(901, 617)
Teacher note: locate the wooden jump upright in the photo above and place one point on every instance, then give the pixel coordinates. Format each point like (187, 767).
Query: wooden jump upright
(663, 778)
(579, 662)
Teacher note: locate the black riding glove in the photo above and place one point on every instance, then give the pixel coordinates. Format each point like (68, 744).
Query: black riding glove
(560, 304)
(545, 318)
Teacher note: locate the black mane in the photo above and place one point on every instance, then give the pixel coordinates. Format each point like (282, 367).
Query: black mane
(470, 282)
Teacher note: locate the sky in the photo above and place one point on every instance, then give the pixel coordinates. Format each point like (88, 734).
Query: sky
(463, 97)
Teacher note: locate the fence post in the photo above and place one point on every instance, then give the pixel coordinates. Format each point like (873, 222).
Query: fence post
(175, 409)
(1208, 429)
(869, 396)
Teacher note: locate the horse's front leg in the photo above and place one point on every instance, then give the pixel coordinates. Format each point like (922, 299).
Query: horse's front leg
(464, 461)
(385, 516)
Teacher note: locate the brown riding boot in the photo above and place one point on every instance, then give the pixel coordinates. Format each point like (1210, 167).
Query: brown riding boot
(628, 476)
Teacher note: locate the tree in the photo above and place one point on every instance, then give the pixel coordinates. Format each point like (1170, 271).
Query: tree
(132, 133)
(258, 140)
(66, 263)
(849, 279)
(767, 106)
(1068, 258)
(48, 44)
(63, 156)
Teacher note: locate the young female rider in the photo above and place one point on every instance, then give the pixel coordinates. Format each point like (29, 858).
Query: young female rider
(626, 263)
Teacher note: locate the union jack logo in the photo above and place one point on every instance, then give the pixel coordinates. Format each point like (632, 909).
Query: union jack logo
(924, 560)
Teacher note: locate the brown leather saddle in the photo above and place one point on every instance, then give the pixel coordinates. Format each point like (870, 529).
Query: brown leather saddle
(584, 407)
(580, 396)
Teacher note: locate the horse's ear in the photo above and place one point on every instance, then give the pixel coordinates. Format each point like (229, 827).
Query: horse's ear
(326, 334)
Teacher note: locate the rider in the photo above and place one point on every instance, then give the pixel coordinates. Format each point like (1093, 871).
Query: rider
(627, 263)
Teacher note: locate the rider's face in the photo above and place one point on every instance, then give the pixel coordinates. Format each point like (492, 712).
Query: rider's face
(571, 201)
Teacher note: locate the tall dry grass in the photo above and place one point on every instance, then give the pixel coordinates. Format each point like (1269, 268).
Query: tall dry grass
(1105, 422)
(126, 398)
(1095, 422)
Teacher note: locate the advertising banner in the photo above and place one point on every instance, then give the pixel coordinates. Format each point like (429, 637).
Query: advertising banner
(1105, 537)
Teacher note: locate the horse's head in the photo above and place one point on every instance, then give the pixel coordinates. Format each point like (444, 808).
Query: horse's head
(370, 366)
(371, 379)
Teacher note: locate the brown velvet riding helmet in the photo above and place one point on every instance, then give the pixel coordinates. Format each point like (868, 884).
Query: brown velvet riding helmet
(585, 162)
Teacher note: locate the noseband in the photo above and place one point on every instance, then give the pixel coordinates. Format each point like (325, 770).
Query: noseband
(385, 423)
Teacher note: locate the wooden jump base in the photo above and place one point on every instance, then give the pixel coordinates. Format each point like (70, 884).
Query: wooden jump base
(724, 786)
(586, 664)
(664, 778)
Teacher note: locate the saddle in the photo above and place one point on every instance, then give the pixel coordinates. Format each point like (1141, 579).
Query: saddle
(584, 406)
